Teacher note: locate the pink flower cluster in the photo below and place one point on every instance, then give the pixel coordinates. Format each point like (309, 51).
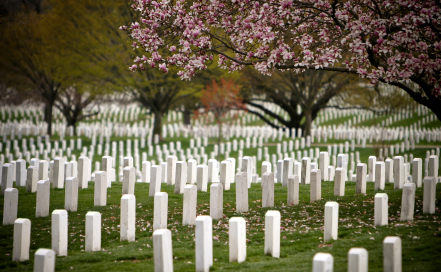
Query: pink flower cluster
(392, 40)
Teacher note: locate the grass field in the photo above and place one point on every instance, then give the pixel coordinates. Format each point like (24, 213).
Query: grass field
(301, 231)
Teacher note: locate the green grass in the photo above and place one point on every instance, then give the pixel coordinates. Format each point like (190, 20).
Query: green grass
(301, 234)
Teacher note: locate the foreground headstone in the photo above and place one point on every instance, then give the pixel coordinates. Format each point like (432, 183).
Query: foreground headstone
(379, 176)
(128, 218)
(204, 243)
(360, 186)
(225, 174)
(339, 182)
(43, 168)
(44, 260)
(93, 231)
(216, 201)
(10, 206)
(392, 254)
(58, 175)
(389, 169)
(107, 167)
(357, 260)
(84, 171)
(160, 211)
(371, 168)
(21, 174)
(399, 172)
(171, 170)
(100, 190)
(268, 190)
(293, 190)
(59, 232)
(43, 198)
(32, 179)
(129, 180)
(241, 192)
(7, 176)
(381, 209)
(22, 240)
(145, 176)
(189, 205)
(237, 238)
(323, 165)
(433, 166)
(408, 201)
(417, 171)
(202, 178)
(316, 185)
(272, 233)
(181, 177)
(287, 171)
(429, 195)
(323, 262)
(71, 195)
(155, 180)
(331, 221)
(162, 250)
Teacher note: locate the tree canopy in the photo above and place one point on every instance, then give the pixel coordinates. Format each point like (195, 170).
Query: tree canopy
(397, 42)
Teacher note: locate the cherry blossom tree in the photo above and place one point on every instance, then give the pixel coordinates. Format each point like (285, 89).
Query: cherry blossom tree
(397, 42)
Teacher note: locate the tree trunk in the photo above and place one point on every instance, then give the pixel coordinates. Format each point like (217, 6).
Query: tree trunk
(48, 117)
(187, 117)
(308, 120)
(157, 124)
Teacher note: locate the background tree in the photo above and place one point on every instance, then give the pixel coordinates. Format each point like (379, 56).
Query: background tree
(394, 42)
(310, 90)
(29, 61)
(219, 99)
(76, 105)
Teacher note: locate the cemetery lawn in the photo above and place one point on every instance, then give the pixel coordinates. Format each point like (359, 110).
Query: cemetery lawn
(301, 231)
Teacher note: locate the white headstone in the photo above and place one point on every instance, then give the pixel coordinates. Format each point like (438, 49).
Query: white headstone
(268, 190)
(316, 185)
(59, 232)
(429, 195)
(44, 260)
(331, 221)
(71, 195)
(22, 240)
(93, 231)
(43, 198)
(408, 201)
(160, 211)
(293, 190)
(216, 201)
(357, 260)
(272, 233)
(323, 262)
(202, 177)
(171, 170)
(380, 175)
(189, 205)
(129, 180)
(237, 237)
(204, 242)
(381, 209)
(241, 192)
(32, 179)
(181, 177)
(162, 250)
(100, 190)
(155, 180)
(360, 186)
(392, 254)
(10, 206)
(128, 218)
